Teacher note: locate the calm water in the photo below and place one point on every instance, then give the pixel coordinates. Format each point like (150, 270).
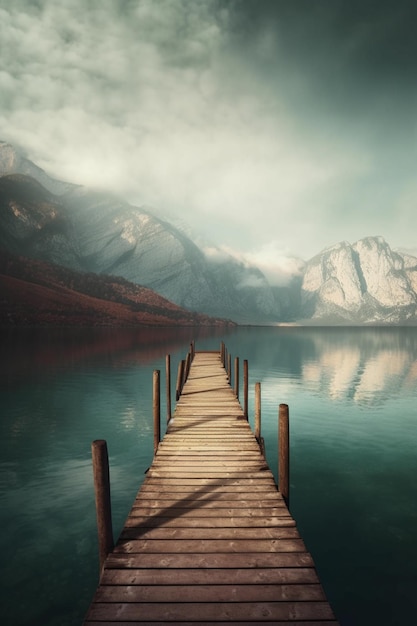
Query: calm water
(352, 395)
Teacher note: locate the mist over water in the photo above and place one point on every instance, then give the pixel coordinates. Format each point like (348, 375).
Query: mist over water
(352, 398)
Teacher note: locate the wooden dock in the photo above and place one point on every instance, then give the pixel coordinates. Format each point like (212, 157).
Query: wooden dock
(209, 539)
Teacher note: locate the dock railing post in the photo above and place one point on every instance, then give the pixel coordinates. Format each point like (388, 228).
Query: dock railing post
(245, 388)
(258, 435)
(156, 410)
(186, 369)
(168, 384)
(258, 411)
(284, 453)
(237, 377)
(229, 367)
(222, 353)
(179, 379)
(102, 496)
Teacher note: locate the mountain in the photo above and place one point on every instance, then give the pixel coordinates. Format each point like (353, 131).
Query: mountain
(12, 161)
(96, 232)
(363, 283)
(35, 293)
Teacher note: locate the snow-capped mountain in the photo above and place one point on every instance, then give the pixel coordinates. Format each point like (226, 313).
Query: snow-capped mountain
(366, 282)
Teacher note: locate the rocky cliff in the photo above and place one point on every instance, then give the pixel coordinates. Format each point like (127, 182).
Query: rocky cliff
(366, 282)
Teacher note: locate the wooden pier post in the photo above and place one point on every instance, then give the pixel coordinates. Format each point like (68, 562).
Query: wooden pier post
(103, 502)
(229, 368)
(180, 375)
(245, 388)
(284, 453)
(223, 354)
(186, 369)
(258, 411)
(237, 377)
(156, 410)
(168, 385)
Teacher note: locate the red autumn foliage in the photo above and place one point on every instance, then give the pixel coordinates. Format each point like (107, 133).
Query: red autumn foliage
(35, 293)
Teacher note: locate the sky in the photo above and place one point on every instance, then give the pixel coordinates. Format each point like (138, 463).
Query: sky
(272, 128)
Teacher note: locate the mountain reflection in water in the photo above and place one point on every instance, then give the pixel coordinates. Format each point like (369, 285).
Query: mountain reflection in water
(368, 371)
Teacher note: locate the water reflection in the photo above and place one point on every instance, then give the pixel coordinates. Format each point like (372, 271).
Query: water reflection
(59, 390)
(26, 352)
(367, 366)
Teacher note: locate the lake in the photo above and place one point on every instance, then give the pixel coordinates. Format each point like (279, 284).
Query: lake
(352, 394)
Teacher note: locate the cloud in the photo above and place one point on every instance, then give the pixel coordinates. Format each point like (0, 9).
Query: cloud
(254, 122)
(277, 263)
(219, 255)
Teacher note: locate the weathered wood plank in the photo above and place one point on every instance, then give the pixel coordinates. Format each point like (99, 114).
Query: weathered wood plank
(240, 446)
(210, 466)
(262, 498)
(184, 521)
(160, 472)
(209, 448)
(242, 546)
(210, 593)
(202, 611)
(207, 512)
(193, 576)
(219, 623)
(180, 491)
(211, 434)
(210, 560)
(224, 492)
(212, 463)
(237, 483)
(179, 533)
(209, 502)
(214, 457)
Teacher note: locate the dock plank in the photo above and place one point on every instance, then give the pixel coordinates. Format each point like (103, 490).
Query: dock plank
(210, 593)
(209, 538)
(194, 612)
(193, 576)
